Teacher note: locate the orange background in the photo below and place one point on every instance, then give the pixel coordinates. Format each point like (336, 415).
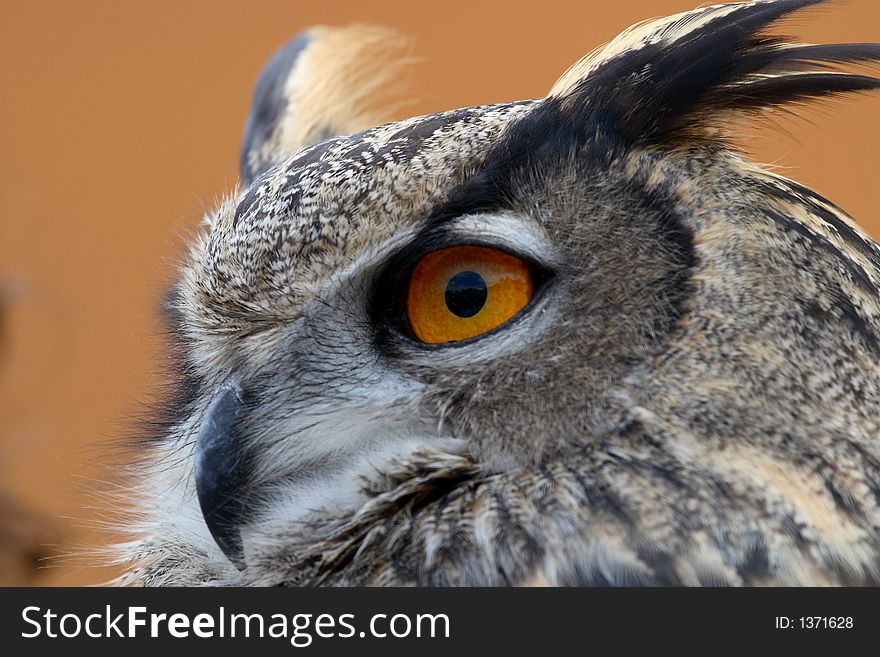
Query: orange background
(119, 126)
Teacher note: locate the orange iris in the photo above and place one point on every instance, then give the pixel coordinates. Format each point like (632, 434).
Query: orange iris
(464, 291)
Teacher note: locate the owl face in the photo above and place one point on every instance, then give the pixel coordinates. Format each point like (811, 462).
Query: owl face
(421, 319)
(487, 284)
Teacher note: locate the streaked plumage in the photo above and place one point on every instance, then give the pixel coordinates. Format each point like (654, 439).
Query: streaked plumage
(692, 398)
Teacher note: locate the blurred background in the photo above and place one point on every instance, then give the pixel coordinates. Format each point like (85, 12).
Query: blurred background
(119, 128)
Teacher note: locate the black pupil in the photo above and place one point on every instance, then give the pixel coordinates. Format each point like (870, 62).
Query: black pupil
(466, 294)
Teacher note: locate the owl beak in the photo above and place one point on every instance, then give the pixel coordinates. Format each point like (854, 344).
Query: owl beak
(221, 469)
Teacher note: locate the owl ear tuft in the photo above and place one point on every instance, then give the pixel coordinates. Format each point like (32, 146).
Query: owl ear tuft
(690, 74)
(328, 81)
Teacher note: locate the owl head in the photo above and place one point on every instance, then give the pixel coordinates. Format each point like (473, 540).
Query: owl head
(566, 340)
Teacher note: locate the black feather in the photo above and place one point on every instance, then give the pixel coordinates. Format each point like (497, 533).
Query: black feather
(799, 86)
(789, 58)
(268, 108)
(654, 91)
(665, 90)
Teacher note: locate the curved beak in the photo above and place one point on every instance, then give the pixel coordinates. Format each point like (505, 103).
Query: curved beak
(222, 469)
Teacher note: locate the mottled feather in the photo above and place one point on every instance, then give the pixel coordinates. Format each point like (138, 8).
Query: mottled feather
(693, 398)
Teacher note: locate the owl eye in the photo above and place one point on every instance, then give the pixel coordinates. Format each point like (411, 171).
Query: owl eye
(464, 291)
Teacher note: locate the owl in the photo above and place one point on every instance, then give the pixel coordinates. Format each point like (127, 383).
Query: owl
(576, 340)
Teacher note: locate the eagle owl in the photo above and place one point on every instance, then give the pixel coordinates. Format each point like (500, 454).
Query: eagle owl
(577, 340)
